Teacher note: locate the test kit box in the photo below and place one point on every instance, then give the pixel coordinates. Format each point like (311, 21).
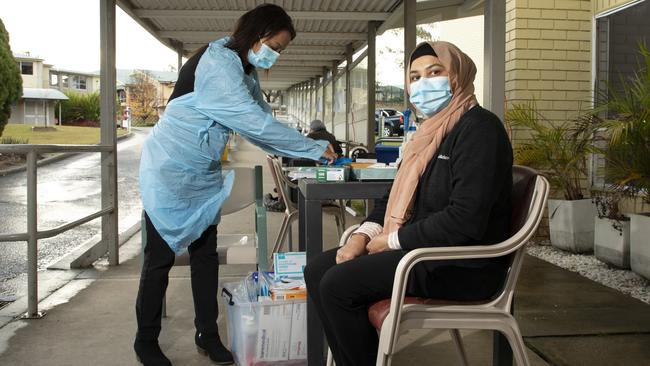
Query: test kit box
(289, 265)
(332, 174)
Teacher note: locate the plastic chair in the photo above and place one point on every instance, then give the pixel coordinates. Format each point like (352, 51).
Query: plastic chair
(399, 313)
(236, 248)
(282, 185)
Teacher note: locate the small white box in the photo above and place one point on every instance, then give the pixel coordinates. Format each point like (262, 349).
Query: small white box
(289, 265)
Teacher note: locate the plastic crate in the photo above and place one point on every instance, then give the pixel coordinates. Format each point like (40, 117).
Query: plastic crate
(387, 153)
(267, 333)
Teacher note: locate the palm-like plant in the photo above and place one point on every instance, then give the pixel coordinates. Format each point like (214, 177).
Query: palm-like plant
(628, 109)
(557, 150)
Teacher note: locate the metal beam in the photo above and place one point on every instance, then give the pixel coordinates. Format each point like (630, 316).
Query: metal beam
(336, 50)
(108, 133)
(212, 35)
(235, 14)
(348, 93)
(309, 57)
(300, 63)
(335, 67)
(494, 74)
(371, 76)
(409, 39)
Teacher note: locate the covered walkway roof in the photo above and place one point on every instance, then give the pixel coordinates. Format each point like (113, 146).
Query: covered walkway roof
(325, 29)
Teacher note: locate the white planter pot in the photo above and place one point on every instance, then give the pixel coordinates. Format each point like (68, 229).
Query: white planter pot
(640, 244)
(612, 242)
(571, 225)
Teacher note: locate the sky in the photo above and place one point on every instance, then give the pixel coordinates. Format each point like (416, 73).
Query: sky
(65, 33)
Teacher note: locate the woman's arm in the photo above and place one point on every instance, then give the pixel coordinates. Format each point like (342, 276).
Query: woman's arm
(223, 96)
(480, 167)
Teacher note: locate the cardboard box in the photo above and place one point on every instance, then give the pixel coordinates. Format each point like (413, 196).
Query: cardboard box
(274, 332)
(298, 348)
(292, 294)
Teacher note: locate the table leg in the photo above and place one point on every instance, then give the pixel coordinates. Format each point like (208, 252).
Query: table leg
(302, 246)
(313, 238)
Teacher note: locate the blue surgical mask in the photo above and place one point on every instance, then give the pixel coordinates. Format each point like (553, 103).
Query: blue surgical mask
(431, 95)
(264, 58)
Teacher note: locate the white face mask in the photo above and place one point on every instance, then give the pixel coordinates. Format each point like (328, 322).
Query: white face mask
(431, 95)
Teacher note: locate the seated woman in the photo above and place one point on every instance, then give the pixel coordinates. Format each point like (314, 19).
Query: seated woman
(452, 188)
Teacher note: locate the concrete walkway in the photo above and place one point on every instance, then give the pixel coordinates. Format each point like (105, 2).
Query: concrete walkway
(565, 318)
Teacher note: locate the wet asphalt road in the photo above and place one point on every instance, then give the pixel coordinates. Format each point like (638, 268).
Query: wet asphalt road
(67, 190)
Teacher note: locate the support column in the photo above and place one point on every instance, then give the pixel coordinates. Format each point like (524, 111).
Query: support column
(313, 110)
(494, 74)
(372, 64)
(322, 93)
(108, 132)
(335, 69)
(349, 51)
(179, 52)
(409, 39)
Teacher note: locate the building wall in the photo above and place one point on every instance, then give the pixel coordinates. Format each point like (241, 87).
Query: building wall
(605, 5)
(548, 56)
(35, 112)
(35, 80)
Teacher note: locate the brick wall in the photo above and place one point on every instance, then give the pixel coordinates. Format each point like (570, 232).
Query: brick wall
(548, 59)
(548, 56)
(605, 5)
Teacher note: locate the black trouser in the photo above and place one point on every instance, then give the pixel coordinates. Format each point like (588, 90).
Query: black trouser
(342, 294)
(158, 260)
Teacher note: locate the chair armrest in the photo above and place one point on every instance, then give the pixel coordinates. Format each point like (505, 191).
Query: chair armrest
(346, 234)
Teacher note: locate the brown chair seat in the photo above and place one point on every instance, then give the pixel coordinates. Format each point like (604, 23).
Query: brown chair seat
(378, 311)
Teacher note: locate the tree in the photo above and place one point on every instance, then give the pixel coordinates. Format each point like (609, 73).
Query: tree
(11, 83)
(143, 94)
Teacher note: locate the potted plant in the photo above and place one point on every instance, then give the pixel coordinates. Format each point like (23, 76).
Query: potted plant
(612, 229)
(559, 151)
(628, 154)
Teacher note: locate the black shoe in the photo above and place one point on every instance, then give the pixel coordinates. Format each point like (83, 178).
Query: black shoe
(212, 347)
(149, 353)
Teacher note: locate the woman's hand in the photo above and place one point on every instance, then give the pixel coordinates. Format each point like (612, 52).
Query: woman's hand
(378, 244)
(329, 154)
(355, 247)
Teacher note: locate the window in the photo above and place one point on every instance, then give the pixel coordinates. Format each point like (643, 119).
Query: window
(618, 35)
(54, 79)
(79, 82)
(121, 94)
(27, 68)
(64, 81)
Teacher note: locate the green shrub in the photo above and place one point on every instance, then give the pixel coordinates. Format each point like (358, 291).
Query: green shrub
(8, 140)
(80, 107)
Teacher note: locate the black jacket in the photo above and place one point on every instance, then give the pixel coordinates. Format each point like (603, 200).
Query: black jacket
(324, 135)
(463, 197)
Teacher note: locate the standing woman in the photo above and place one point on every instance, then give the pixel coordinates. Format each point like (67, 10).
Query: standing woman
(181, 181)
(452, 188)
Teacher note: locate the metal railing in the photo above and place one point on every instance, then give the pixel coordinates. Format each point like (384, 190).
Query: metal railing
(33, 234)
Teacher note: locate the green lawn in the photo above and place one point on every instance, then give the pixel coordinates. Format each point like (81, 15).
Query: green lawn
(62, 135)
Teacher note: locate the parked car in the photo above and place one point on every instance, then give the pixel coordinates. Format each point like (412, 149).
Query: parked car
(393, 122)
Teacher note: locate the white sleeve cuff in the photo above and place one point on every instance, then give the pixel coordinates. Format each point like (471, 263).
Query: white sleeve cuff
(371, 229)
(393, 241)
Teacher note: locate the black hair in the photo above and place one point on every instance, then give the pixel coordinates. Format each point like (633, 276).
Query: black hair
(265, 20)
(424, 50)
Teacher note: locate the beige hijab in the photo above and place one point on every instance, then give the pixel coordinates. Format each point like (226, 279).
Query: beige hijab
(419, 151)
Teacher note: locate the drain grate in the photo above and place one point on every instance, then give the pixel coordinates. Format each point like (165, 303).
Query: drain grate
(4, 303)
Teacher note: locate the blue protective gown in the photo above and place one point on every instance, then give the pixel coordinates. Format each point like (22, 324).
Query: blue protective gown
(181, 182)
